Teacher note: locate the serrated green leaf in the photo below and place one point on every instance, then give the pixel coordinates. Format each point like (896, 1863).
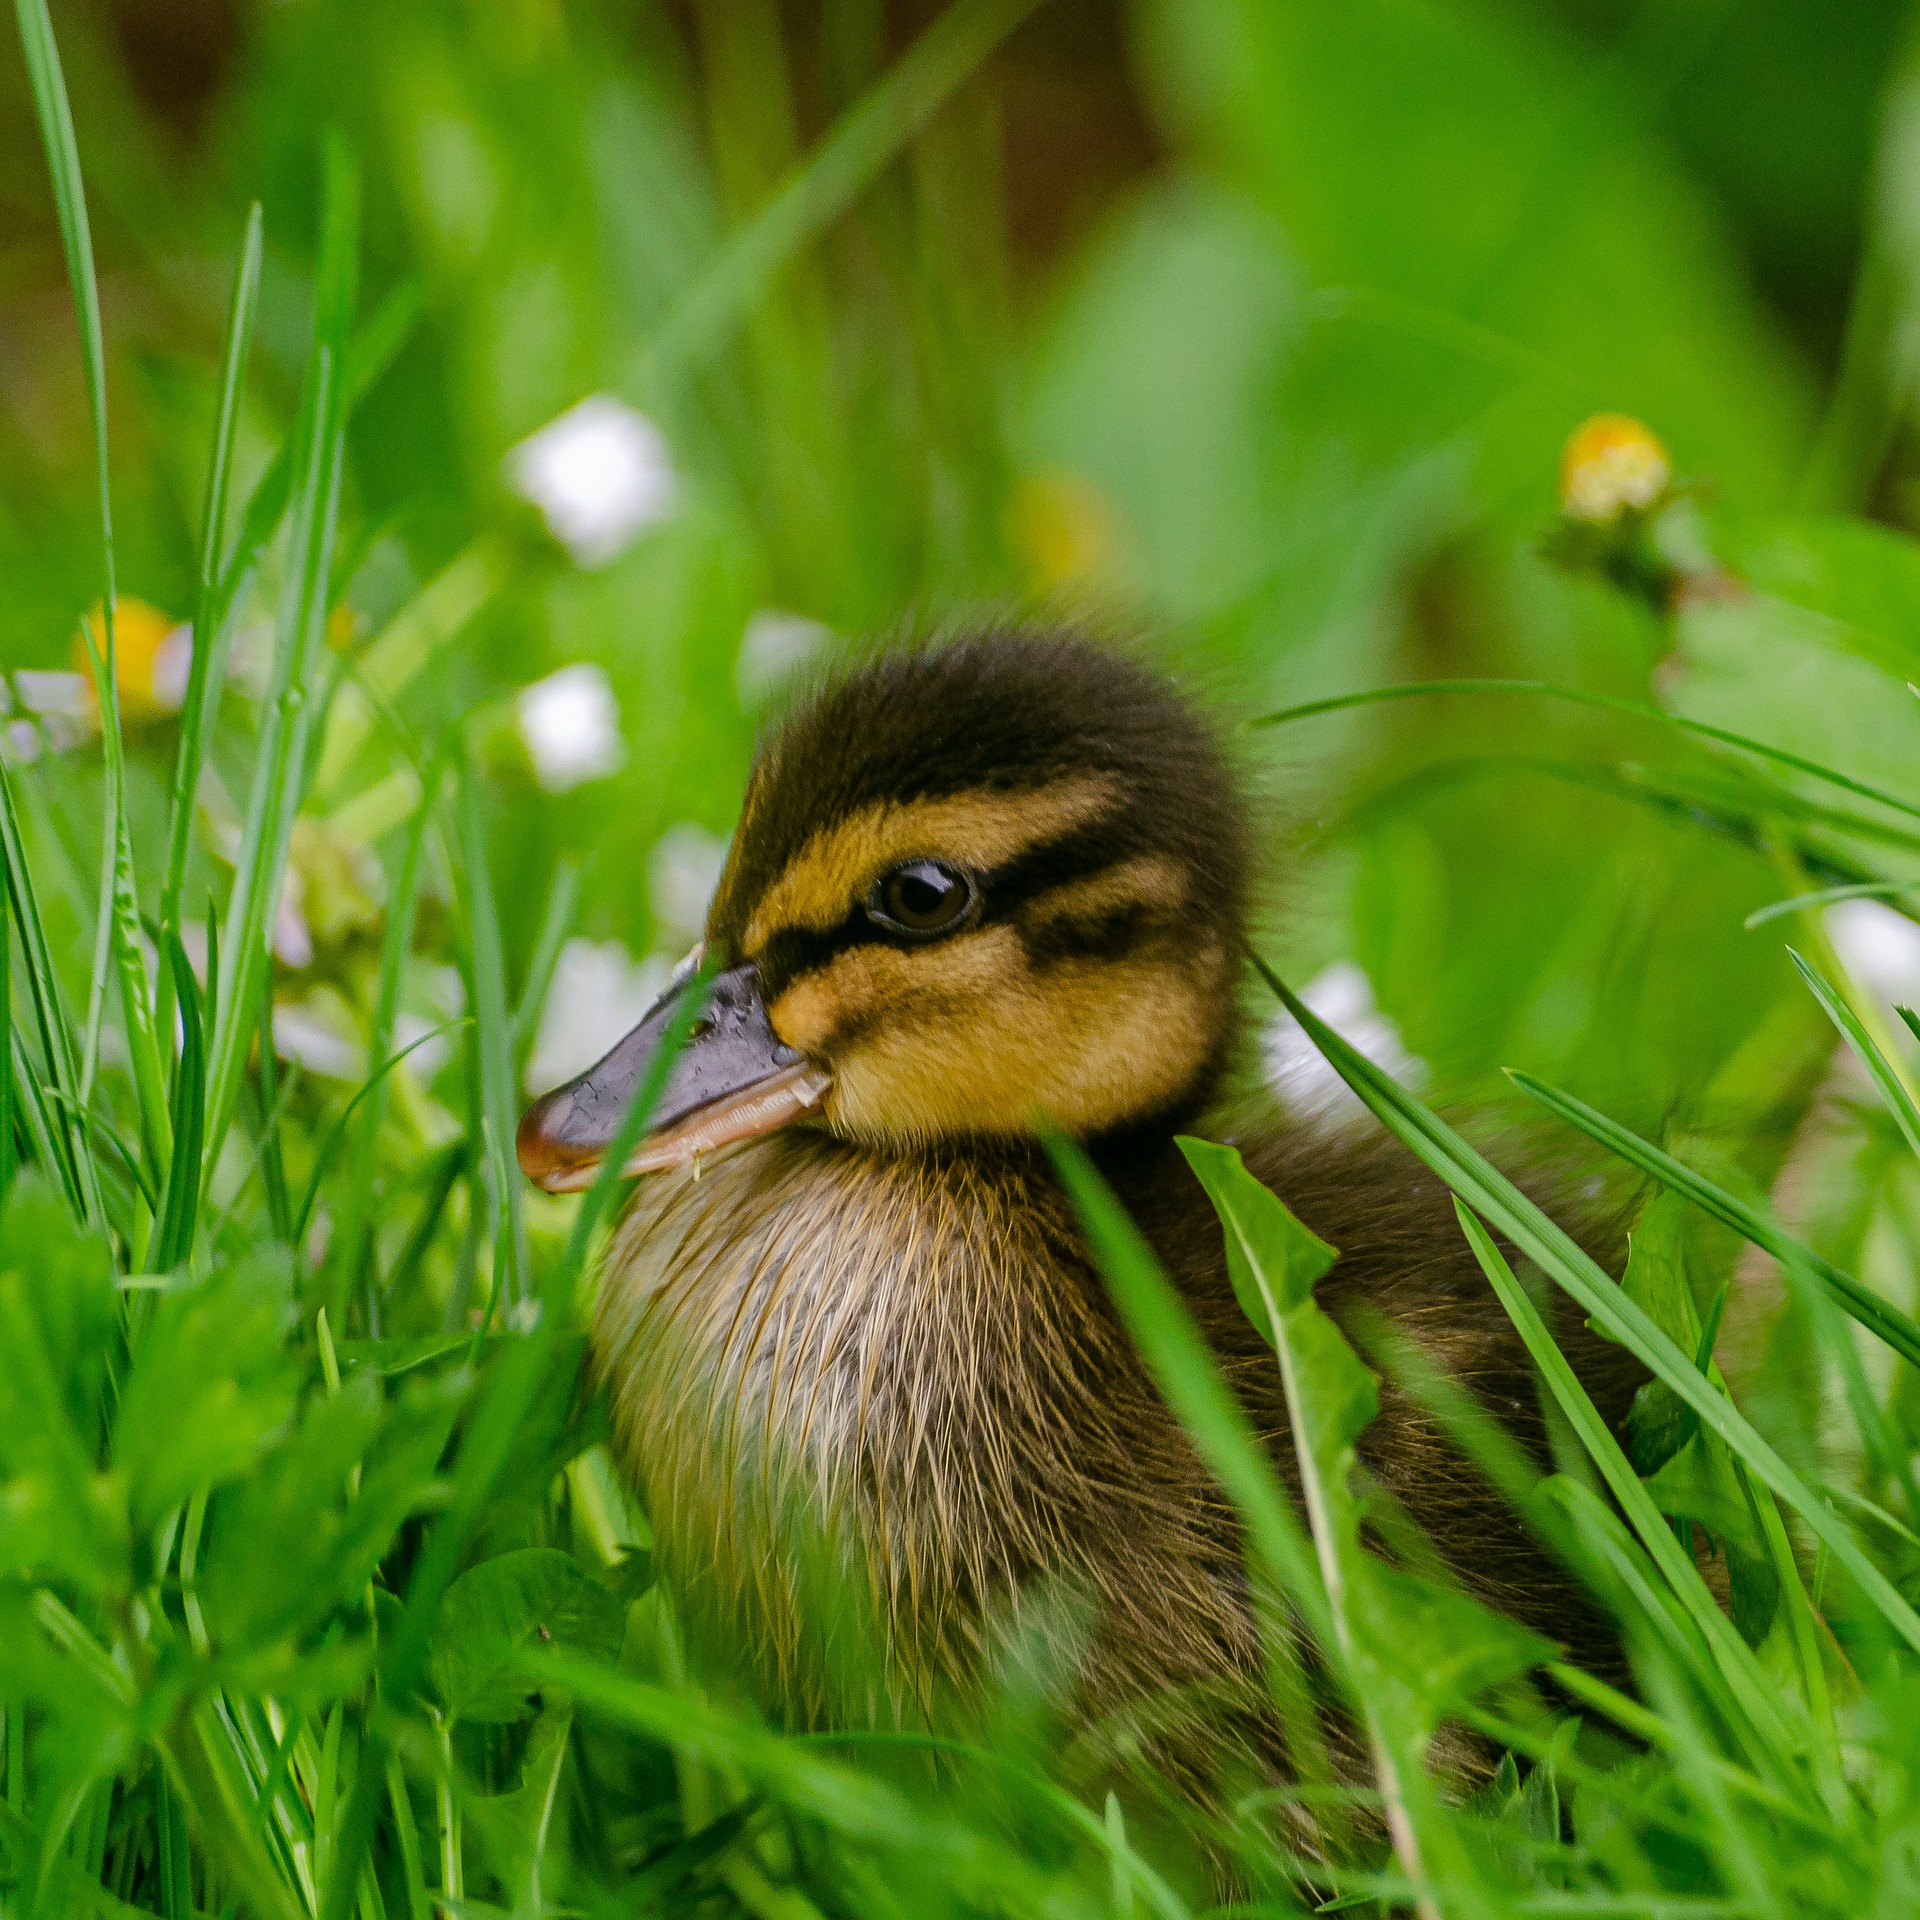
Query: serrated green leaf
(494, 1611)
(1431, 1647)
(211, 1385)
(521, 1831)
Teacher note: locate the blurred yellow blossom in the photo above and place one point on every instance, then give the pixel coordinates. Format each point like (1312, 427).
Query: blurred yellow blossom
(1061, 528)
(1612, 465)
(152, 651)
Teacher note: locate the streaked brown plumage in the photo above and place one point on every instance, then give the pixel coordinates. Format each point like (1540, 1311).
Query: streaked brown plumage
(861, 1367)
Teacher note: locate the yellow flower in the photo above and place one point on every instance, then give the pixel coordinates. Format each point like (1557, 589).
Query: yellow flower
(1612, 466)
(150, 651)
(1062, 531)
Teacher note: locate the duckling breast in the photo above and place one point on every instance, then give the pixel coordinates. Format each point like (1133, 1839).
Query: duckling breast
(876, 1403)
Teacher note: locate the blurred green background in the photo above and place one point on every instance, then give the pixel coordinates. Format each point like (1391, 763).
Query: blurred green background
(1251, 329)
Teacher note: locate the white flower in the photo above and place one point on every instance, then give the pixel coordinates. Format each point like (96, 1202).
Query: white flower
(682, 871)
(62, 704)
(1297, 1070)
(1878, 947)
(571, 724)
(172, 668)
(303, 1033)
(774, 647)
(600, 475)
(599, 991)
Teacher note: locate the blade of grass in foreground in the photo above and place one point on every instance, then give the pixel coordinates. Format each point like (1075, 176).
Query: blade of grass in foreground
(1893, 1087)
(1738, 1667)
(1826, 1288)
(1880, 1317)
(49, 1110)
(1280, 1556)
(510, 1397)
(1495, 1199)
(209, 637)
(403, 898)
(1331, 1397)
(119, 894)
(180, 1206)
(281, 756)
(1606, 702)
(512, 1278)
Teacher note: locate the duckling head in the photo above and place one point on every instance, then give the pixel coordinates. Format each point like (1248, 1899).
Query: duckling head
(975, 885)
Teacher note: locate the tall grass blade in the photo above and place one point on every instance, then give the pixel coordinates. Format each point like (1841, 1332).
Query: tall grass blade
(119, 893)
(1879, 1316)
(368, 355)
(1188, 1375)
(281, 761)
(7, 1156)
(207, 671)
(119, 926)
(1606, 702)
(851, 157)
(52, 1122)
(1885, 1076)
(495, 1037)
(1495, 1199)
(353, 1238)
(1274, 1262)
(562, 902)
(1736, 1662)
(181, 1203)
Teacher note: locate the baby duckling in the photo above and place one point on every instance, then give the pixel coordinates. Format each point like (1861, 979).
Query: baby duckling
(861, 1366)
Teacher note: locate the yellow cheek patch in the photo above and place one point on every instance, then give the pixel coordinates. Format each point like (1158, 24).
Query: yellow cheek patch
(887, 986)
(1091, 1043)
(833, 871)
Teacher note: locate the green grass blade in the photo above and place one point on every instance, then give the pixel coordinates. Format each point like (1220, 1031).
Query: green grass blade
(1824, 1286)
(7, 1156)
(1274, 1262)
(1885, 1076)
(1880, 1317)
(511, 1263)
(120, 924)
(1890, 890)
(52, 1123)
(1607, 703)
(562, 902)
(851, 157)
(368, 355)
(273, 1100)
(209, 639)
(180, 1206)
(1189, 1377)
(353, 1239)
(281, 762)
(1737, 1664)
(1495, 1199)
(119, 893)
(368, 1089)
(44, 1120)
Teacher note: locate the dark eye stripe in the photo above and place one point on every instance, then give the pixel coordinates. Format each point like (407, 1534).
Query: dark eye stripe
(1081, 854)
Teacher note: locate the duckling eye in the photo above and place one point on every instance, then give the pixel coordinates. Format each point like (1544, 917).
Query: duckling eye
(922, 898)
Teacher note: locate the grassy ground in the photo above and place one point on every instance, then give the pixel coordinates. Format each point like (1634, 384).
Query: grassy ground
(1260, 329)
